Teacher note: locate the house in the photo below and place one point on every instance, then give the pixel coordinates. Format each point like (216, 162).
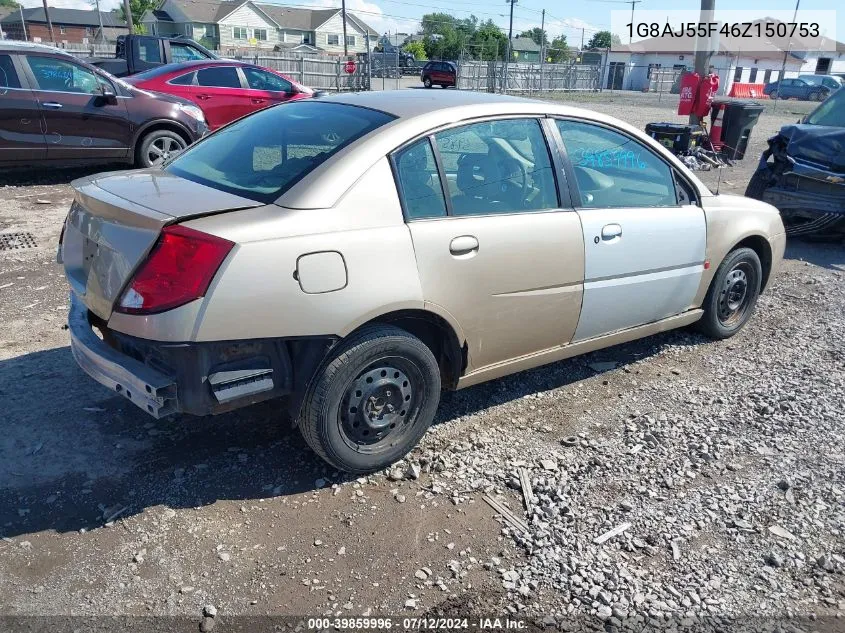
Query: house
(524, 49)
(823, 62)
(229, 26)
(735, 60)
(70, 26)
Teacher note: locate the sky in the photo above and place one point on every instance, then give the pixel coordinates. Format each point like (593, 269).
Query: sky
(565, 17)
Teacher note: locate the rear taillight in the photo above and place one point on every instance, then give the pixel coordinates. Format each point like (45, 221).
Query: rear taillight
(178, 270)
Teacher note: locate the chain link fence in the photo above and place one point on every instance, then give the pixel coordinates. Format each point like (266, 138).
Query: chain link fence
(496, 76)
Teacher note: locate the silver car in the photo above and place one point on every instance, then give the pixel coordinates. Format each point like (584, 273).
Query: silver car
(358, 253)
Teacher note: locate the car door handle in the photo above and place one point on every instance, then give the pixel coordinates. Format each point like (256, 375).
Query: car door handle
(259, 100)
(610, 232)
(52, 105)
(463, 245)
(204, 97)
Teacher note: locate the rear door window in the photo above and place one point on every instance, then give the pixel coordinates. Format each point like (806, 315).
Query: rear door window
(497, 167)
(183, 80)
(8, 74)
(419, 181)
(219, 77)
(263, 155)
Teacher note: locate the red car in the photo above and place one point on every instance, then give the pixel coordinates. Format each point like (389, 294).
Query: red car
(225, 90)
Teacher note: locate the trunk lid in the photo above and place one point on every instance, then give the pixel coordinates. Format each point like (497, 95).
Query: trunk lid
(115, 220)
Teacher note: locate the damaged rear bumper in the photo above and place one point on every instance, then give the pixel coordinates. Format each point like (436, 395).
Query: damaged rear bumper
(152, 391)
(198, 378)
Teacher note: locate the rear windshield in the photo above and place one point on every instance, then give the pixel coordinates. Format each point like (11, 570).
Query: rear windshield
(262, 156)
(831, 112)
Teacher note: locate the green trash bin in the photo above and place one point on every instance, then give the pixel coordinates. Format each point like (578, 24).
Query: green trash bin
(740, 119)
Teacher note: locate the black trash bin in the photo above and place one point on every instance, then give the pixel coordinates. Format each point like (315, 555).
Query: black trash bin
(740, 119)
(679, 138)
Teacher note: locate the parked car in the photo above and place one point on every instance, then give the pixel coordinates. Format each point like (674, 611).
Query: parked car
(828, 81)
(137, 53)
(802, 172)
(443, 74)
(801, 88)
(431, 244)
(225, 90)
(55, 108)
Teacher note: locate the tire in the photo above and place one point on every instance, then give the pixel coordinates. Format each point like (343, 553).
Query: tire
(758, 184)
(816, 95)
(773, 94)
(427, 82)
(372, 401)
(732, 295)
(157, 146)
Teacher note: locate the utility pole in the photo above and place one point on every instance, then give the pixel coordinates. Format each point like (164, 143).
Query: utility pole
(23, 23)
(128, 11)
(100, 17)
(633, 4)
(702, 46)
(542, 47)
(786, 54)
(343, 15)
(582, 39)
(49, 22)
(510, 43)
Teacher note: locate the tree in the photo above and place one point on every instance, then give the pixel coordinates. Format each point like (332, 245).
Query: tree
(537, 34)
(138, 9)
(603, 39)
(9, 3)
(558, 51)
(490, 42)
(417, 49)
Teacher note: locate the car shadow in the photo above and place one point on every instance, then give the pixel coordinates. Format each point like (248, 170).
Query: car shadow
(829, 255)
(52, 175)
(73, 457)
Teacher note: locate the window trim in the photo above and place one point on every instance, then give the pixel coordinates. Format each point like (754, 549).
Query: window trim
(576, 192)
(332, 35)
(393, 160)
(260, 39)
(538, 117)
(242, 28)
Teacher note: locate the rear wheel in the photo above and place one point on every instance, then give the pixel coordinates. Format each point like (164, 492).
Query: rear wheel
(373, 401)
(773, 94)
(733, 294)
(157, 146)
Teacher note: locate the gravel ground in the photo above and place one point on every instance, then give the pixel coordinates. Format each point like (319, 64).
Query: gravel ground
(675, 480)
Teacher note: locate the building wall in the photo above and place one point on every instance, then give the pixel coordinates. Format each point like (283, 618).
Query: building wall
(335, 27)
(837, 62)
(37, 32)
(247, 17)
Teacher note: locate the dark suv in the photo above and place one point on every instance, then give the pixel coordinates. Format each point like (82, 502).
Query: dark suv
(443, 74)
(57, 109)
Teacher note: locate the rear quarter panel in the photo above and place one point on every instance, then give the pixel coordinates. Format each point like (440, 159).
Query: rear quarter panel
(256, 293)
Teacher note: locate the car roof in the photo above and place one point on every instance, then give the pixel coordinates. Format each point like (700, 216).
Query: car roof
(419, 112)
(417, 102)
(18, 45)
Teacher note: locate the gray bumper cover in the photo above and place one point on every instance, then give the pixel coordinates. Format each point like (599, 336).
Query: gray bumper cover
(148, 389)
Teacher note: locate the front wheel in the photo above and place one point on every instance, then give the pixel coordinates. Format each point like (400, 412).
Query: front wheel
(773, 94)
(427, 82)
(157, 146)
(373, 401)
(816, 95)
(733, 294)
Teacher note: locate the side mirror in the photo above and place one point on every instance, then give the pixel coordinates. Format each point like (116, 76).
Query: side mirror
(108, 95)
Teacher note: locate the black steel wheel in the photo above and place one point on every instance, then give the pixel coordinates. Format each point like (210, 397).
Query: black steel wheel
(732, 295)
(372, 401)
